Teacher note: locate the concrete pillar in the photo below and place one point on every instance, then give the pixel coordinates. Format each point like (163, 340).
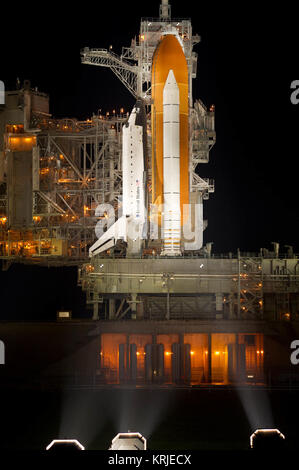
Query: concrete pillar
(133, 306)
(219, 301)
(95, 315)
(148, 363)
(182, 357)
(187, 363)
(231, 306)
(168, 306)
(133, 362)
(219, 305)
(122, 362)
(140, 311)
(111, 309)
(127, 355)
(231, 362)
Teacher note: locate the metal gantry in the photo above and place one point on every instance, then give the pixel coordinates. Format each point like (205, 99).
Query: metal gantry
(80, 169)
(127, 73)
(243, 287)
(76, 167)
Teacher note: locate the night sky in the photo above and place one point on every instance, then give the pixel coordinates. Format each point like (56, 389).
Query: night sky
(246, 62)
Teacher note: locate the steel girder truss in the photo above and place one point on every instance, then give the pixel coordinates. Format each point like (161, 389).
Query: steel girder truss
(238, 295)
(133, 67)
(126, 72)
(234, 290)
(250, 288)
(202, 139)
(78, 171)
(79, 167)
(180, 307)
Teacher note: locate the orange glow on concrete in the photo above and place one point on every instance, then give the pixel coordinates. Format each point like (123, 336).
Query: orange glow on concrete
(220, 343)
(167, 341)
(21, 144)
(110, 354)
(15, 128)
(199, 361)
(141, 341)
(254, 356)
(199, 355)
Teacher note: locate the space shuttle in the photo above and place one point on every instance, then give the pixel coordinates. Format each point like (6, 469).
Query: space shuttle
(181, 213)
(131, 225)
(176, 207)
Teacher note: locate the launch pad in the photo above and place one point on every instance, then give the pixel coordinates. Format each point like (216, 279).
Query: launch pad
(120, 196)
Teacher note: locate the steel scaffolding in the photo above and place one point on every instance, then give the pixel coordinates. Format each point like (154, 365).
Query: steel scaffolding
(76, 167)
(214, 288)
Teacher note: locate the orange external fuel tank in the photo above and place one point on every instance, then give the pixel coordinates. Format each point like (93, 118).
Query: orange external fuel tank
(169, 55)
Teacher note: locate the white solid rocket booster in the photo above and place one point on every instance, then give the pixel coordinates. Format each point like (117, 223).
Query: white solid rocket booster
(171, 167)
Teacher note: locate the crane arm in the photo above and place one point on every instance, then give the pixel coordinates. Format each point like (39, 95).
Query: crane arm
(125, 71)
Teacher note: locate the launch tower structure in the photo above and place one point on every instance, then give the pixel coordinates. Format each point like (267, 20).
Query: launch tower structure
(165, 310)
(134, 67)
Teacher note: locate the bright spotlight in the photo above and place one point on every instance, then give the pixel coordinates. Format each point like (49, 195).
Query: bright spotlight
(267, 439)
(68, 445)
(128, 441)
